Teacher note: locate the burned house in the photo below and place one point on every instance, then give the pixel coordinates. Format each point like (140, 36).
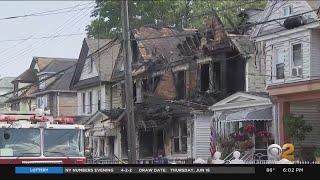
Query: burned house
(177, 75)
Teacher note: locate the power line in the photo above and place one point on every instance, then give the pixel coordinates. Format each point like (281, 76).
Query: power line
(32, 47)
(51, 12)
(43, 37)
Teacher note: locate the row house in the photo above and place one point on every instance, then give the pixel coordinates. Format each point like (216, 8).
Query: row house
(176, 79)
(99, 98)
(245, 102)
(291, 52)
(45, 85)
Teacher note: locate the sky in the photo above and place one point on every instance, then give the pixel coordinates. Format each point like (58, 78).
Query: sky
(57, 35)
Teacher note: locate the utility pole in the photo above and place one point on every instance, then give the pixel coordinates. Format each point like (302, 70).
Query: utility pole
(127, 55)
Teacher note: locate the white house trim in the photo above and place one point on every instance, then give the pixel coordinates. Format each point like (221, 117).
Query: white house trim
(225, 103)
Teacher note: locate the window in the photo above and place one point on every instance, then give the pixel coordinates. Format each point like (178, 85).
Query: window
(90, 102)
(279, 63)
(39, 102)
(287, 11)
(42, 84)
(90, 61)
(83, 102)
(179, 140)
(99, 99)
(296, 60)
(205, 78)
(181, 84)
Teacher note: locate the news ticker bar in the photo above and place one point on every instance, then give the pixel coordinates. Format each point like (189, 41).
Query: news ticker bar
(134, 170)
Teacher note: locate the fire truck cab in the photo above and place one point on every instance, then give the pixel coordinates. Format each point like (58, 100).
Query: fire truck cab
(27, 138)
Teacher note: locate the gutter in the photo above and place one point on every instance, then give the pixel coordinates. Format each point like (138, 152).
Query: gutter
(50, 91)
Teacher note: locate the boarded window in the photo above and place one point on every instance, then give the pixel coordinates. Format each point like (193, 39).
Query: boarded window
(204, 79)
(181, 84)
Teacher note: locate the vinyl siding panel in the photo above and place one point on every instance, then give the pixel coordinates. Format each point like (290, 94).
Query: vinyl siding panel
(311, 114)
(315, 54)
(202, 137)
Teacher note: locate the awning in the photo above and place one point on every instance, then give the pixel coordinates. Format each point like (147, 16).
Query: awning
(254, 114)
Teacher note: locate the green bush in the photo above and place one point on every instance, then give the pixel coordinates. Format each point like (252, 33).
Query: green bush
(317, 152)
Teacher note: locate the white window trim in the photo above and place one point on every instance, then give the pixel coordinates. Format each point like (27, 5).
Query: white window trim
(274, 79)
(290, 6)
(291, 60)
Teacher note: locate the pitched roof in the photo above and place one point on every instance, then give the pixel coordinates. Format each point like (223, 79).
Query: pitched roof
(167, 46)
(314, 4)
(57, 65)
(95, 44)
(28, 76)
(63, 81)
(104, 57)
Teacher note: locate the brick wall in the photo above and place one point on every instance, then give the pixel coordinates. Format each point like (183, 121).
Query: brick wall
(166, 87)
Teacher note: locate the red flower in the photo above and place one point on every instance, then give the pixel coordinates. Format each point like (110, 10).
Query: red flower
(249, 128)
(264, 134)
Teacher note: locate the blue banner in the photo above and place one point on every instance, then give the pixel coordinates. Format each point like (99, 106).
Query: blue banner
(39, 170)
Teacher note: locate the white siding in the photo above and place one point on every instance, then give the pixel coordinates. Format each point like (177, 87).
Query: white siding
(86, 74)
(298, 7)
(315, 54)
(285, 42)
(311, 114)
(202, 137)
(104, 102)
(116, 96)
(79, 97)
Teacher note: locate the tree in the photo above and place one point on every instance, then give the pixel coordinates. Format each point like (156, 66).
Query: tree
(296, 128)
(176, 13)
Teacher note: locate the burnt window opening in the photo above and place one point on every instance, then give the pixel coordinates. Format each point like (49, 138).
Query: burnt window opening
(191, 43)
(134, 92)
(217, 76)
(181, 49)
(150, 84)
(135, 50)
(209, 35)
(205, 77)
(181, 84)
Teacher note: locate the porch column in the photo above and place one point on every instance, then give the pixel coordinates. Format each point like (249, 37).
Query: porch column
(284, 108)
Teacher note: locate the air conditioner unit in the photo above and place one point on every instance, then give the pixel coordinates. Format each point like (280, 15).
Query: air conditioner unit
(297, 71)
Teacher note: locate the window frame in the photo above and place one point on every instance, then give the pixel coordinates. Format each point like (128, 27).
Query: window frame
(83, 98)
(275, 62)
(292, 66)
(90, 102)
(290, 10)
(181, 149)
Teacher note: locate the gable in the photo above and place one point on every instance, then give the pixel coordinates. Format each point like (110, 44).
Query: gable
(89, 70)
(239, 100)
(275, 10)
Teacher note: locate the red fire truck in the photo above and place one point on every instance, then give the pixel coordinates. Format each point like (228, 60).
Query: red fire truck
(31, 139)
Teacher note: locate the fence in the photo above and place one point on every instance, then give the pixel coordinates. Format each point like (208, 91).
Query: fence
(140, 161)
